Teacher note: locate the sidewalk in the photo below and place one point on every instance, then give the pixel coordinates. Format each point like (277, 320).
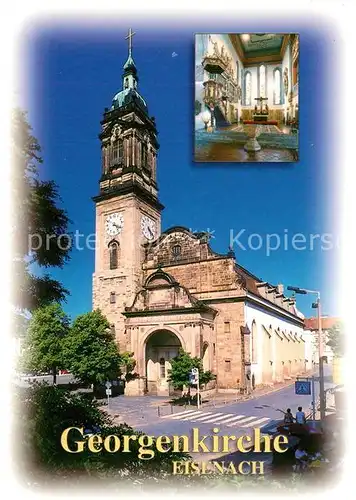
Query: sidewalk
(220, 399)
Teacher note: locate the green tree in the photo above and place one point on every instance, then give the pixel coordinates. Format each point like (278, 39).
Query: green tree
(181, 367)
(39, 226)
(44, 342)
(127, 364)
(45, 412)
(91, 352)
(336, 339)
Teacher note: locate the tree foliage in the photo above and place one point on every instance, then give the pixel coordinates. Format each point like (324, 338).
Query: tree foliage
(128, 364)
(181, 367)
(44, 342)
(336, 339)
(39, 226)
(46, 411)
(91, 352)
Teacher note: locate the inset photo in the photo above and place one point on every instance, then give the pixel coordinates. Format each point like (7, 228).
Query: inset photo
(246, 97)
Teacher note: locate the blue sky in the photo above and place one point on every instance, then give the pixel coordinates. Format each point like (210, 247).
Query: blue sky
(73, 75)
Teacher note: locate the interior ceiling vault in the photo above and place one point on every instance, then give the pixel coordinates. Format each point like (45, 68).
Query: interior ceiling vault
(259, 47)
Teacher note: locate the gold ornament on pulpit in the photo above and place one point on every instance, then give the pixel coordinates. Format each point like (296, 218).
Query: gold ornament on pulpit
(239, 93)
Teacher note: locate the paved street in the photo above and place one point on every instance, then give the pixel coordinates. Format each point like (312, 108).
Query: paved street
(236, 418)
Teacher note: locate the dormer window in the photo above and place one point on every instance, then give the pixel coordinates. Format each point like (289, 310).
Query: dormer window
(176, 251)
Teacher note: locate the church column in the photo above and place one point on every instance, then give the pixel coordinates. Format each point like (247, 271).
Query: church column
(138, 161)
(133, 148)
(126, 151)
(104, 159)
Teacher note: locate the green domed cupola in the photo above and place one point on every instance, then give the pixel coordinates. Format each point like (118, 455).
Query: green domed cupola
(129, 93)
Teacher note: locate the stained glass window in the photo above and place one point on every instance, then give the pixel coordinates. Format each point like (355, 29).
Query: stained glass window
(277, 86)
(262, 81)
(248, 89)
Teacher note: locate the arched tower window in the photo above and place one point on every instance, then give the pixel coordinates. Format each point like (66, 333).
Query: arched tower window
(262, 81)
(117, 152)
(114, 254)
(277, 86)
(247, 86)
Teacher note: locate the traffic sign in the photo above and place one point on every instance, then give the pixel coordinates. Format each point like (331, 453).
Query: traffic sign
(195, 371)
(108, 384)
(303, 387)
(108, 392)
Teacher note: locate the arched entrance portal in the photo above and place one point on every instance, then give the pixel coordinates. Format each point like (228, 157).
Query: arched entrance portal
(160, 348)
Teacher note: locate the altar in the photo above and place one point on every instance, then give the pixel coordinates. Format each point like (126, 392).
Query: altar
(261, 114)
(260, 118)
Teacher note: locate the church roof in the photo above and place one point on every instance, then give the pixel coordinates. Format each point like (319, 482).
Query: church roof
(128, 96)
(327, 322)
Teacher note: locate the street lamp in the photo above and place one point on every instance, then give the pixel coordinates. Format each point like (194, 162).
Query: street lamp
(316, 305)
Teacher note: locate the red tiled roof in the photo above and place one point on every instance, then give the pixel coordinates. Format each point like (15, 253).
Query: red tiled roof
(326, 323)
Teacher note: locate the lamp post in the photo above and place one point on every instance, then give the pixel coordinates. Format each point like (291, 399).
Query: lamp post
(317, 305)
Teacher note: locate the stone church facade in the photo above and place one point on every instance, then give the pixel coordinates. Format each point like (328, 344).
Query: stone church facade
(162, 291)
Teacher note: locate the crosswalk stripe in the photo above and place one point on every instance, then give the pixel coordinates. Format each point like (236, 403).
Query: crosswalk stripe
(236, 417)
(187, 417)
(171, 415)
(255, 422)
(214, 419)
(198, 415)
(201, 418)
(243, 420)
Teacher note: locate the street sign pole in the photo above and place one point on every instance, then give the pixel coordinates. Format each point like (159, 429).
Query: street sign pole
(313, 396)
(108, 390)
(198, 391)
(321, 360)
(195, 380)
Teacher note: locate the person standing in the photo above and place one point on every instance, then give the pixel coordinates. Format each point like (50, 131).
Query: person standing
(288, 417)
(300, 416)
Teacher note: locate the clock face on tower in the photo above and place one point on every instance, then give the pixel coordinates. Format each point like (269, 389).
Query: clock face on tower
(114, 224)
(148, 228)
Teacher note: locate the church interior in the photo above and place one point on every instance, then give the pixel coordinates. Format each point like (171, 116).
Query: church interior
(246, 97)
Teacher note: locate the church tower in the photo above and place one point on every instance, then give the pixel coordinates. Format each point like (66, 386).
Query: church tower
(128, 213)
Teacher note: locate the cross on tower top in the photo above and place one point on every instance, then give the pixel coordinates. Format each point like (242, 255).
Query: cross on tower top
(129, 38)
